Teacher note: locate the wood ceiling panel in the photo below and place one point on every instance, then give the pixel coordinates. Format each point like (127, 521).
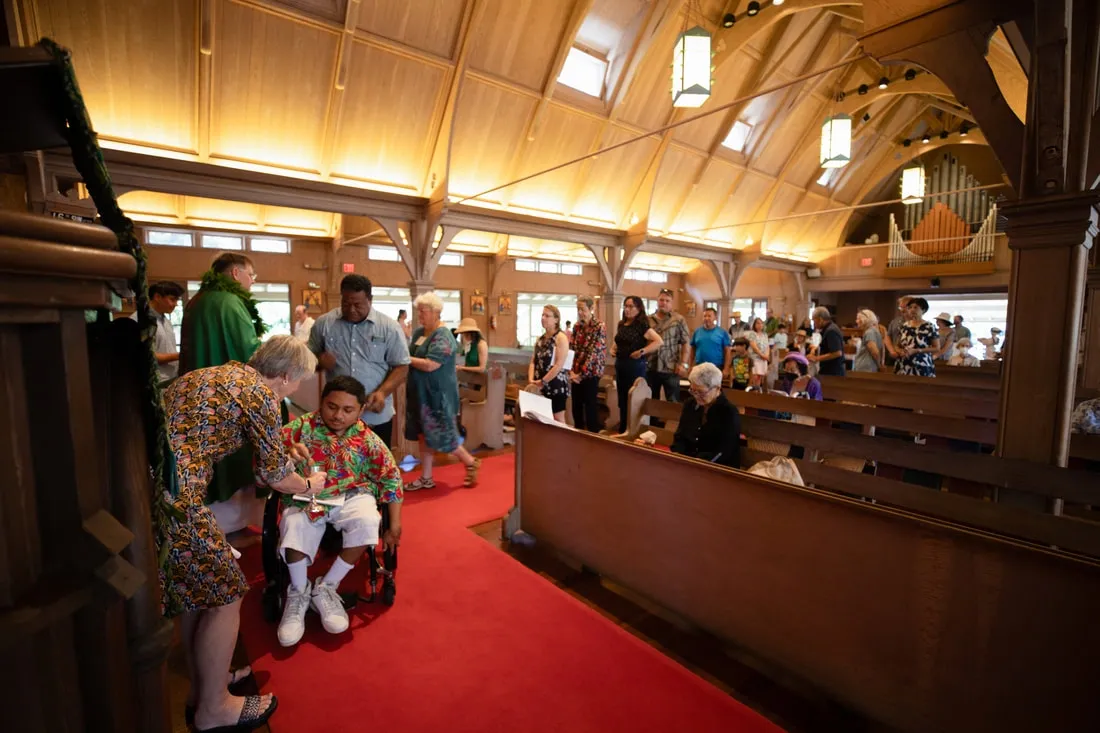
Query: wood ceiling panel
(517, 39)
(701, 203)
(279, 217)
(387, 120)
(272, 78)
(648, 103)
(565, 135)
(611, 179)
(220, 212)
(328, 9)
(137, 65)
(489, 123)
(777, 234)
(678, 170)
(429, 25)
(739, 208)
(789, 131)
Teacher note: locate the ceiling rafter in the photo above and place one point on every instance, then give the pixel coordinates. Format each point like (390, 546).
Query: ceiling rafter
(334, 107)
(924, 84)
(437, 176)
(729, 40)
(534, 122)
(206, 77)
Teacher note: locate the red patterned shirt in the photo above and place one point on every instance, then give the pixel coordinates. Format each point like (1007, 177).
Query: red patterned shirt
(356, 461)
(589, 348)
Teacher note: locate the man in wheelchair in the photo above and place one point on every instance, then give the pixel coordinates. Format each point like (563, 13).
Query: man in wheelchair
(361, 472)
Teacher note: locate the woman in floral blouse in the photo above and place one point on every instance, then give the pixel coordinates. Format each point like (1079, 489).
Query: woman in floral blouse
(589, 358)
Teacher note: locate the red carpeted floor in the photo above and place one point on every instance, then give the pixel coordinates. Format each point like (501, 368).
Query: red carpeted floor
(476, 642)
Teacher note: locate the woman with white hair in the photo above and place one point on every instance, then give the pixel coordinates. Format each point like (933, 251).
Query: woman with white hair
(211, 413)
(710, 428)
(870, 351)
(431, 397)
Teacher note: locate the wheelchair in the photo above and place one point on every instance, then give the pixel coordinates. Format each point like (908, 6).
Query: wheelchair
(381, 585)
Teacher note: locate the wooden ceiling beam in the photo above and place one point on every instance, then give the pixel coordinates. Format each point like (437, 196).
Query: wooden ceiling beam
(728, 41)
(334, 107)
(206, 77)
(923, 84)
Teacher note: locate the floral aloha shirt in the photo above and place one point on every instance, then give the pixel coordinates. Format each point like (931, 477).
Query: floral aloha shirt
(355, 462)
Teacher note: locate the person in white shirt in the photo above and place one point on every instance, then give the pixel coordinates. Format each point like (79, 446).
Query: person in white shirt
(303, 324)
(163, 298)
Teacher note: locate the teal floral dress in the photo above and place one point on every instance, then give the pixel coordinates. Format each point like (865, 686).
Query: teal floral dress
(431, 398)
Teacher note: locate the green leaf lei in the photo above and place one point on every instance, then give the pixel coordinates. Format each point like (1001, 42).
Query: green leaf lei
(220, 281)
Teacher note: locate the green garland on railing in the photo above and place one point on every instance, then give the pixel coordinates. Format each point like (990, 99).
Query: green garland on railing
(89, 163)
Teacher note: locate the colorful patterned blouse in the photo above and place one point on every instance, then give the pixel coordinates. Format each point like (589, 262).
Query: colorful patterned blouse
(356, 461)
(589, 348)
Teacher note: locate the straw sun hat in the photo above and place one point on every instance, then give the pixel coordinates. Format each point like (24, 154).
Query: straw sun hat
(467, 325)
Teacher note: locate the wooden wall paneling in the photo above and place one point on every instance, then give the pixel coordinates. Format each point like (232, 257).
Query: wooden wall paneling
(273, 74)
(389, 104)
(951, 633)
(143, 89)
(512, 39)
(429, 25)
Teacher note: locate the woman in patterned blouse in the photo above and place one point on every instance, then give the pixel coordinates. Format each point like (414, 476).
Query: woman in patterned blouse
(211, 413)
(547, 366)
(589, 358)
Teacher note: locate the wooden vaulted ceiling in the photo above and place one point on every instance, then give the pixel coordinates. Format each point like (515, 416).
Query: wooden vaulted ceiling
(376, 93)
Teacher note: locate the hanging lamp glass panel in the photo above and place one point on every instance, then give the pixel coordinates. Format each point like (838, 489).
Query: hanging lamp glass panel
(836, 142)
(691, 68)
(912, 184)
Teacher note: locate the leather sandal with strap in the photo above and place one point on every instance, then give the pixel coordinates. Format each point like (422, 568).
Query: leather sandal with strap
(420, 483)
(471, 474)
(253, 715)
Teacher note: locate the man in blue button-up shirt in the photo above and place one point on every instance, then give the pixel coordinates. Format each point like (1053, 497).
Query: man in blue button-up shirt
(357, 341)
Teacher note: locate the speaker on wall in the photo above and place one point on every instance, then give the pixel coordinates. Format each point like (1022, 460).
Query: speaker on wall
(812, 272)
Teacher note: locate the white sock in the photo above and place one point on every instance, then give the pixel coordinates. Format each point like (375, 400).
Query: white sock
(298, 574)
(337, 572)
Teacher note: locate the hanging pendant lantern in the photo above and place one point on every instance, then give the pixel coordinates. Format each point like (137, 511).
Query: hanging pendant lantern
(912, 184)
(691, 68)
(836, 142)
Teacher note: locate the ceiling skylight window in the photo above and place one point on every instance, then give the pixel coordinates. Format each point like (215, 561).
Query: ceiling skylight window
(826, 177)
(584, 72)
(738, 136)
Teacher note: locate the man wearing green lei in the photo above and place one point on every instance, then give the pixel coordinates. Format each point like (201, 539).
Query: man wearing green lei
(221, 324)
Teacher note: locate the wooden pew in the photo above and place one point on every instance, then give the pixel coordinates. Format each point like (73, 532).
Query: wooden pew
(918, 623)
(483, 406)
(972, 379)
(949, 401)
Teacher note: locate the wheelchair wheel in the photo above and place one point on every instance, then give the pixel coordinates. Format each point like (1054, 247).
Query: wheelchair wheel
(389, 591)
(273, 603)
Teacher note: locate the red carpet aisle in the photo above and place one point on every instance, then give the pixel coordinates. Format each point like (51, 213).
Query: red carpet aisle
(476, 643)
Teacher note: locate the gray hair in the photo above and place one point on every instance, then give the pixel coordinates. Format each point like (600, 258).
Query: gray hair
(588, 301)
(869, 317)
(429, 299)
(823, 313)
(706, 375)
(284, 356)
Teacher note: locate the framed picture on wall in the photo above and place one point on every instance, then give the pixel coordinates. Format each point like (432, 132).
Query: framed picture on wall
(689, 309)
(477, 305)
(313, 298)
(504, 305)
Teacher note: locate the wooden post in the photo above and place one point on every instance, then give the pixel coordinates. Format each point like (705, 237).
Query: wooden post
(1090, 363)
(1049, 238)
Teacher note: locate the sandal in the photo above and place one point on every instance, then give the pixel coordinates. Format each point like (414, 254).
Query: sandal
(420, 483)
(237, 678)
(471, 475)
(251, 718)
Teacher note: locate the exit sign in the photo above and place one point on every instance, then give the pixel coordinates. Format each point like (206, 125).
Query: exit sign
(349, 267)
(866, 262)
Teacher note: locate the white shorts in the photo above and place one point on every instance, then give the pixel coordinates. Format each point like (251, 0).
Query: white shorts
(357, 520)
(759, 367)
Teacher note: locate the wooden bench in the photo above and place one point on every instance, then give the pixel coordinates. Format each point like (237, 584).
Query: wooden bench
(917, 622)
(483, 406)
(974, 379)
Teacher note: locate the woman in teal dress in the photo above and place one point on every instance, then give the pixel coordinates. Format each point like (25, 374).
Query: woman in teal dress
(431, 411)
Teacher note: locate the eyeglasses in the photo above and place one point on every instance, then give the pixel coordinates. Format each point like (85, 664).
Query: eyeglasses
(665, 291)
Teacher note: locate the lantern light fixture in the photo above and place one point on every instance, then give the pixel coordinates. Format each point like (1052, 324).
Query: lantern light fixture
(883, 83)
(912, 184)
(753, 9)
(728, 20)
(691, 67)
(836, 142)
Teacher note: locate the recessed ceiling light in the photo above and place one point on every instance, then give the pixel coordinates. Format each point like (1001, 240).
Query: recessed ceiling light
(910, 74)
(883, 83)
(753, 9)
(906, 142)
(777, 2)
(862, 89)
(964, 130)
(728, 20)
(926, 139)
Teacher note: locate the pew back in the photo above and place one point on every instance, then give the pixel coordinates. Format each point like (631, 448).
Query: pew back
(483, 406)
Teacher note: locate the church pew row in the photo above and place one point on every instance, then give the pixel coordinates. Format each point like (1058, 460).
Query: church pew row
(483, 406)
(918, 623)
(983, 470)
(974, 378)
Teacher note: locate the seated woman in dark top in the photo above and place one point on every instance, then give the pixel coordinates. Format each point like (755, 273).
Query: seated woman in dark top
(710, 428)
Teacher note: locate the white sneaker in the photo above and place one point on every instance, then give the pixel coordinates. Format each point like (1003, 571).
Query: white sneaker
(328, 605)
(293, 623)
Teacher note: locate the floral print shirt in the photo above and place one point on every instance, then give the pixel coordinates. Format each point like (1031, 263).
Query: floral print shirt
(589, 349)
(356, 461)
